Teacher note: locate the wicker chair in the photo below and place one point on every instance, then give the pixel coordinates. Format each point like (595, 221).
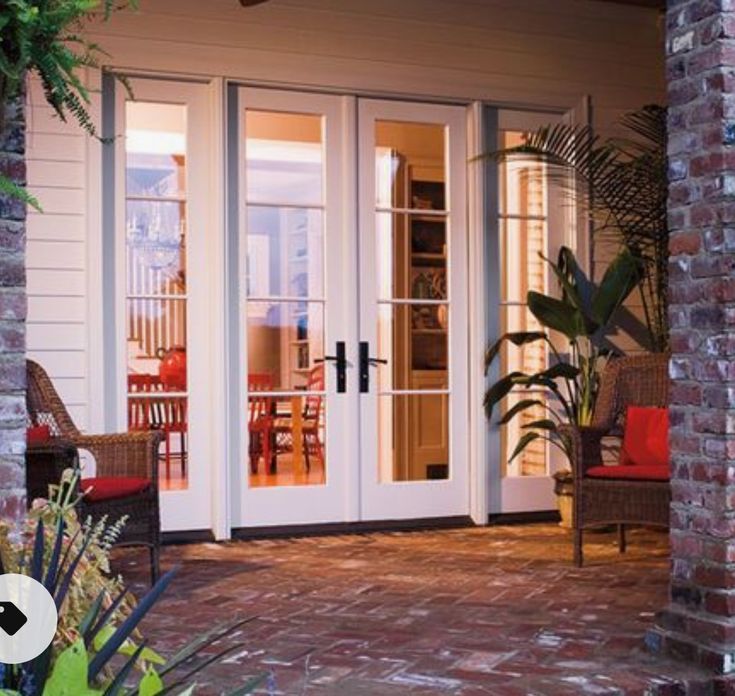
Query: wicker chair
(640, 380)
(132, 454)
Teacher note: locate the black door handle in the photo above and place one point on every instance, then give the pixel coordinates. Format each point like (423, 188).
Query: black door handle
(340, 362)
(365, 362)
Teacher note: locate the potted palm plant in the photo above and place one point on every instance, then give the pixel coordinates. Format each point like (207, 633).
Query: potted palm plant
(576, 330)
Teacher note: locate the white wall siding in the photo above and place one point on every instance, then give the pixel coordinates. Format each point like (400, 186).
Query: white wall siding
(523, 53)
(57, 254)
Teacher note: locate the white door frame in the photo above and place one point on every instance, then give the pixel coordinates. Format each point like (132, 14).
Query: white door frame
(192, 508)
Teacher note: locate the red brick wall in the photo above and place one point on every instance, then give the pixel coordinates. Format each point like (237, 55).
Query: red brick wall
(699, 624)
(12, 319)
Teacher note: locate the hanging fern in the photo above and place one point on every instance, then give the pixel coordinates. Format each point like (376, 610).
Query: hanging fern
(42, 37)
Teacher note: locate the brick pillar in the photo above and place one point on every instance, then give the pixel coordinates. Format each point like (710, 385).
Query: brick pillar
(12, 318)
(699, 623)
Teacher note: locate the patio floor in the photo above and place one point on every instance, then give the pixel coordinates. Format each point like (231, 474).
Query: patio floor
(497, 610)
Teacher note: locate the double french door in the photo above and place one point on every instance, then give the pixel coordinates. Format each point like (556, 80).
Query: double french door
(350, 346)
(317, 373)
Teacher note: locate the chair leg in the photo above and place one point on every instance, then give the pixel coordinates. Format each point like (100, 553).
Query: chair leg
(622, 544)
(305, 447)
(168, 456)
(183, 454)
(578, 553)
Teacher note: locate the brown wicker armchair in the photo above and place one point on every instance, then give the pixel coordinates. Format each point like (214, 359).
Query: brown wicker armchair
(123, 455)
(640, 380)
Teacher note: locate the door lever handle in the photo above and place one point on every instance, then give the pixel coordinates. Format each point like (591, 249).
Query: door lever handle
(365, 362)
(340, 362)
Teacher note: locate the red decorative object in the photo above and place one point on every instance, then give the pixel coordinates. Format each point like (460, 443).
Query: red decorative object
(646, 437)
(38, 434)
(639, 472)
(172, 369)
(112, 487)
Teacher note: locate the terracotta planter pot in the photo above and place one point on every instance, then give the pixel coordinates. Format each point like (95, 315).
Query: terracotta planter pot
(564, 489)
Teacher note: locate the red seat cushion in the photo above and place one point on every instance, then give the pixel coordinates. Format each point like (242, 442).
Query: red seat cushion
(639, 472)
(646, 437)
(38, 434)
(111, 488)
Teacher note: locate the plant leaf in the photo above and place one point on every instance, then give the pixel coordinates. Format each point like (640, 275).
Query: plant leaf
(525, 440)
(556, 315)
(519, 407)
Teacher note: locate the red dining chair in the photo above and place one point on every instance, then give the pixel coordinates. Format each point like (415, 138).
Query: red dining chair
(312, 419)
(260, 420)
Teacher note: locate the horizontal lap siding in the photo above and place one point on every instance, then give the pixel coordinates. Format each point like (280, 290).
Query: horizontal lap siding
(510, 52)
(57, 254)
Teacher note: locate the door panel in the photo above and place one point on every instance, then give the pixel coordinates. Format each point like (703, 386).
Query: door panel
(412, 241)
(164, 266)
(293, 304)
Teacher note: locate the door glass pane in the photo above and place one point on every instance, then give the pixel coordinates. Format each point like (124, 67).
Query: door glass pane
(285, 342)
(412, 339)
(284, 287)
(284, 158)
(412, 257)
(522, 183)
(156, 306)
(413, 437)
(413, 309)
(285, 252)
(287, 445)
(410, 165)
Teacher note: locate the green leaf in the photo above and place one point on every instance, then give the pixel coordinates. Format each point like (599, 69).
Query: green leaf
(12, 190)
(519, 407)
(151, 684)
(518, 338)
(69, 674)
(619, 280)
(523, 442)
(498, 391)
(543, 424)
(557, 315)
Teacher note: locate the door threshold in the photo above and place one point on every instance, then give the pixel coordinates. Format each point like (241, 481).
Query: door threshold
(333, 528)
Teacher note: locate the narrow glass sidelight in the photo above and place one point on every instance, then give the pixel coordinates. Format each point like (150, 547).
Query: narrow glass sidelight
(156, 280)
(413, 312)
(523, 197)
(285, 298)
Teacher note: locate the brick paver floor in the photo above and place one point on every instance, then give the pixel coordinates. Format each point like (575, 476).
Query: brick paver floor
(497, 610)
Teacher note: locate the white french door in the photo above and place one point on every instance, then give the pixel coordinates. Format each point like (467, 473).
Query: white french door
(413, 310)
(352, 338)
(296, 285)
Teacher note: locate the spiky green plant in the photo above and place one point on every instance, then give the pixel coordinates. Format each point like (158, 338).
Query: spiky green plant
(43, 38)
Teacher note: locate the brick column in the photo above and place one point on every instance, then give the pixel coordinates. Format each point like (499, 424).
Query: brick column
(699, 623)
(12, 318)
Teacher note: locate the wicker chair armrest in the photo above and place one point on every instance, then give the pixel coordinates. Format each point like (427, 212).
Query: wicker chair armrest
(124, 454)
(586, 447)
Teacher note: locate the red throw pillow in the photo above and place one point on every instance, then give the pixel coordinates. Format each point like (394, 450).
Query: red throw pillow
(112, 487)
(646, 436)
(38, 434)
